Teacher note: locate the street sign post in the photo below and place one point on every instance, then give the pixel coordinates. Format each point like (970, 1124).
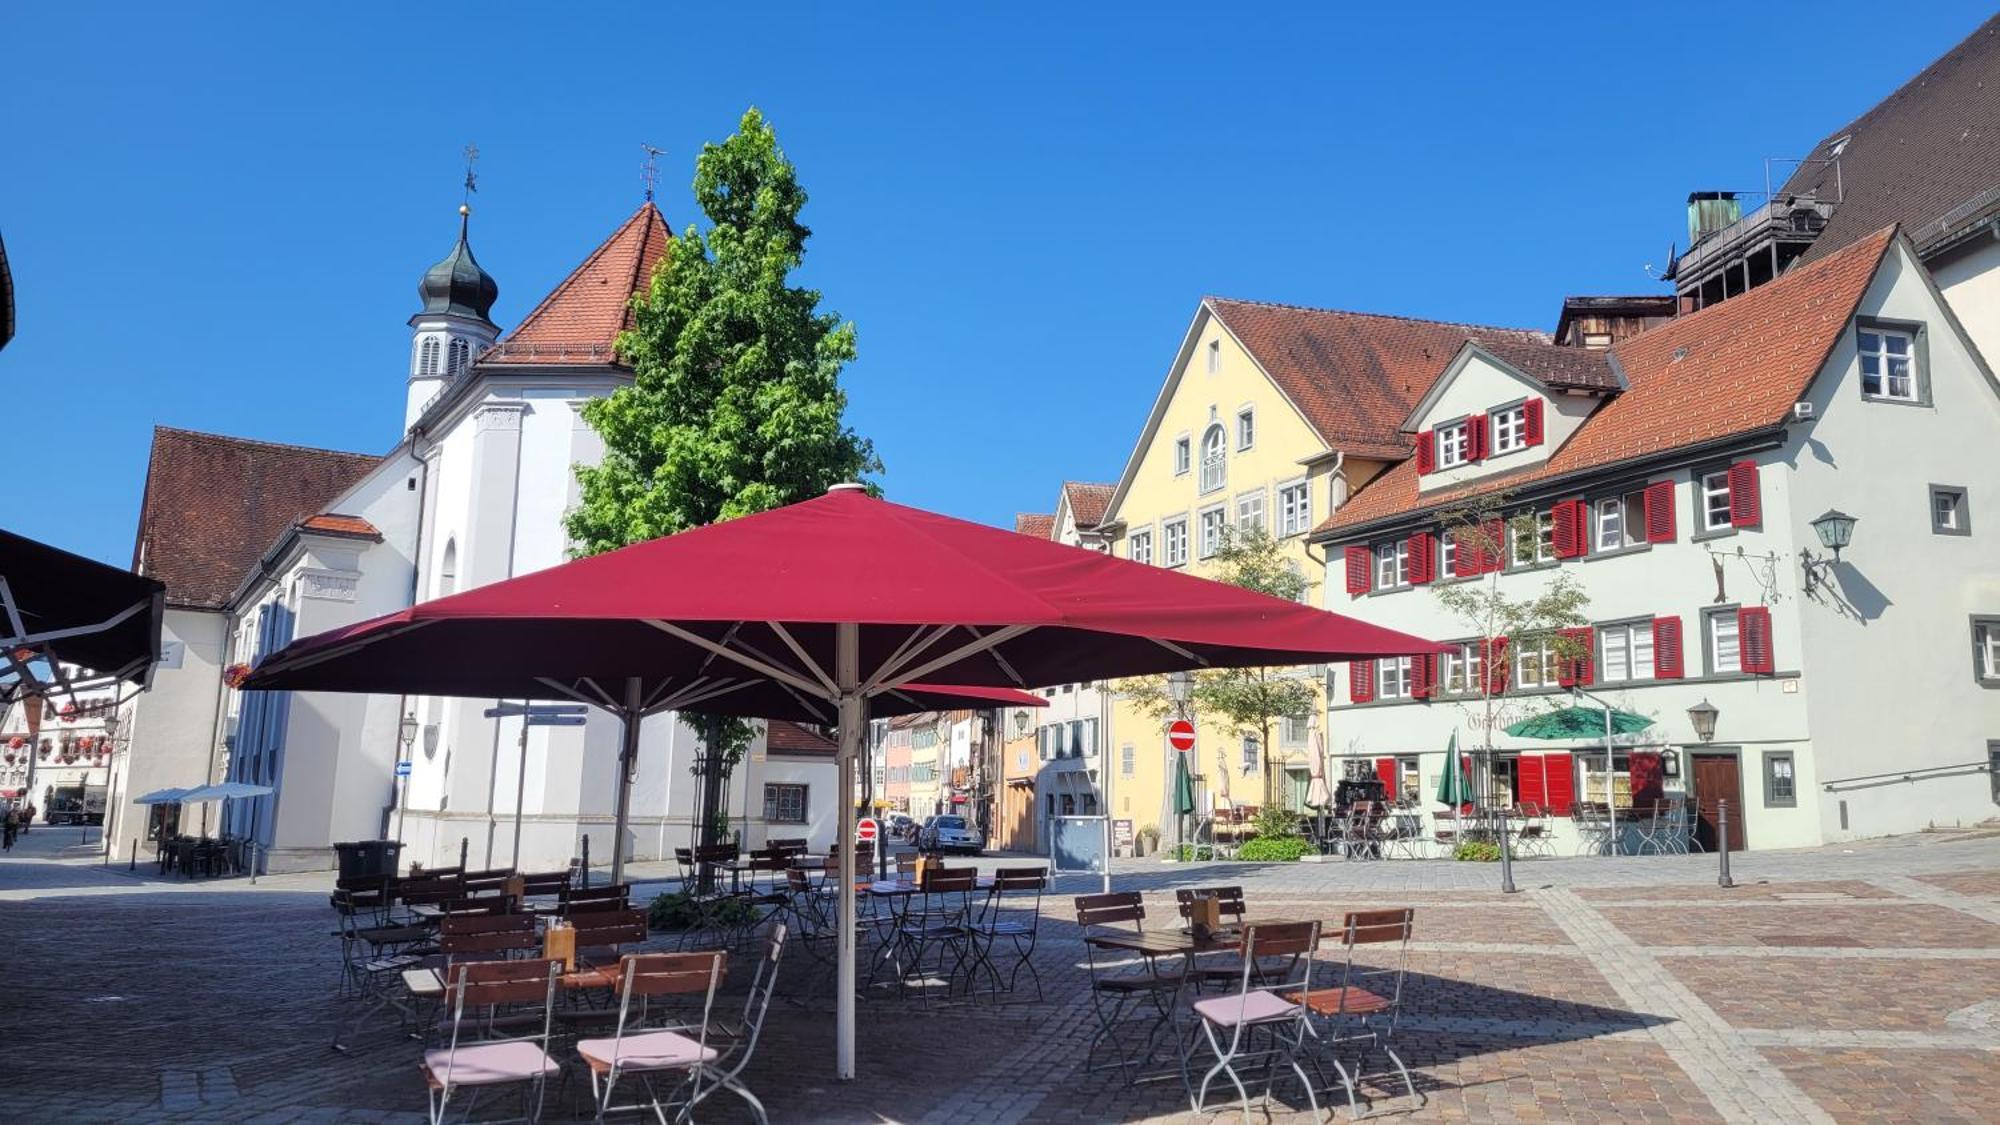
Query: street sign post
(403, 768)
(531, 715)
(1180, 735)
(865, 829)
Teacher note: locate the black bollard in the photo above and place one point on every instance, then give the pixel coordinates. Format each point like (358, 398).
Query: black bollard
(1722, 837)
(464, 844)
(586, 862)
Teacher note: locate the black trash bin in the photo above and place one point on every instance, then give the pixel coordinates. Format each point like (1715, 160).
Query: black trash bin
(360, 859)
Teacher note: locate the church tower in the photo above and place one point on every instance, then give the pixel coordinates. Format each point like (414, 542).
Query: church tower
(454, 325)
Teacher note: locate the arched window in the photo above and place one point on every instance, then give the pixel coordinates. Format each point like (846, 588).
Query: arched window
(461, 356)
(448, 571)
(427, 357)
(1213, 453)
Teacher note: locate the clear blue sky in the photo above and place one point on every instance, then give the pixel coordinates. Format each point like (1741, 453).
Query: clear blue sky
(217, 220)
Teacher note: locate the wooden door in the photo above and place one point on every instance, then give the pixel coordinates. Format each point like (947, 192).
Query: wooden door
(1718, 778)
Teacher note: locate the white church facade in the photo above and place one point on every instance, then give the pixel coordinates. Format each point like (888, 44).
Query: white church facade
(260, 544)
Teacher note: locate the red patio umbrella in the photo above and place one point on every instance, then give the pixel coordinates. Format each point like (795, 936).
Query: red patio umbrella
(832, 604)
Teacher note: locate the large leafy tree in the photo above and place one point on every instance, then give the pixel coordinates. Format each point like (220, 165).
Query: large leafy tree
(735, 403)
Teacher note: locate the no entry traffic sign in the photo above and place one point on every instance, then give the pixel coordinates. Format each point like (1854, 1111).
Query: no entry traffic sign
(865, 829)
(1180, 735)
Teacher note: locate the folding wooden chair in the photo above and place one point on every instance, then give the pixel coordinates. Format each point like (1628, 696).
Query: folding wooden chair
(467, 1061)
(633, 1049)
(1364, 1006)
(1230, 1024)
(1114, 996)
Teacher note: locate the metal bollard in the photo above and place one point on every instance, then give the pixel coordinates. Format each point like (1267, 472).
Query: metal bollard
(586, 861)
(1722, 838)
(134, 865)
(1506, 861)
(464, 844)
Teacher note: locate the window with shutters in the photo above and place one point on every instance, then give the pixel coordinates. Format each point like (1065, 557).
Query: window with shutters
(1533, 539)
(1181, 456)
(1392, 565)
(1509, 428)
(1625, 651)
(1715, 506)
(1250, 511)
(1504, 776)
(1448, 553)
(1392, 677)
(1246, 428)
(1409, 781)
(1725, 649)
(1535, 662)
(1888, 364)
(1595, 786)
(1453, 446)
(1781, 790)
(1621, 522)
(1214, 460)
(1460, 669)
(1140, 547)
(1214, 522)
(1986, 650)
(1174, 542)
(1294, 508)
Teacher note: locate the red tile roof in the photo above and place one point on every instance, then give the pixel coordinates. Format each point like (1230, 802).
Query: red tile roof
(1764, 347)
(579, 321)
(1554, 365)
(333, 523)
(213, 505)
(781, 737)
(1041, 525)
(1355, 376)
(1088, 501)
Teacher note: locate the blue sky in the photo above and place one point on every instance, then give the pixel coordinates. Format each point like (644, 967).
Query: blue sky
(217, 219)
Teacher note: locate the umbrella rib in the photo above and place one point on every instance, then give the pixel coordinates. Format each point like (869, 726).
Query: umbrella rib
(598, 689)
(913, 646)
(568, 692)
(310, 659)
(1178, 651)
(979, 644)
(751, 662)
(696, 694)
(1002, 662)
(785, 635)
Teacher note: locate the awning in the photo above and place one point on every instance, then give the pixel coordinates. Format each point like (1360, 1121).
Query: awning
(223, 790)
(57, 608)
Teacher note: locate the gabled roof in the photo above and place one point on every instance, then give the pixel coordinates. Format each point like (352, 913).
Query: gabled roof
(781, 737)
(1555, 366)
(1930, 148)
(1353, 376)
(1762, 348)
(333, 523)
(579, 321)
(1041, 525)
(1087, 502)
(214, 504)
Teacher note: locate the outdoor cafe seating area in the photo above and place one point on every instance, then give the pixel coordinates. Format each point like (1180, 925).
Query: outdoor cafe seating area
(204, 857)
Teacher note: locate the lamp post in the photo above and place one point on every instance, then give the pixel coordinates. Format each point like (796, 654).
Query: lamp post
(1835, 530)
(1180, 690)
(406, 734)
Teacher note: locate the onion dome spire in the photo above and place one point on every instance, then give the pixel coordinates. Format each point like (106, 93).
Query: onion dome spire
(457, 285)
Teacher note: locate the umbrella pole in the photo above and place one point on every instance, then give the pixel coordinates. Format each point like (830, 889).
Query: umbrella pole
(628, 756)
(1610, 796)
(853, 716)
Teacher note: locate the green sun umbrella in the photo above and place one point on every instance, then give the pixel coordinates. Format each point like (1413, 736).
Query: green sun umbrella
(1183, 787)
(1578, 722)
(1454, 788)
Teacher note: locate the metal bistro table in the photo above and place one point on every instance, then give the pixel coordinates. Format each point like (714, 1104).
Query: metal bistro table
(895, 895)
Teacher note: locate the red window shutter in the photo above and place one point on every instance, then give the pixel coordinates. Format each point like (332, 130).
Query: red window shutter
(1361, 680)
(1385, 769)
(1667, 659)
(1531, 421)
(1475, 438)
(1579, 665)
(1745, 509)
(1753, 632)
(1496, 666)
(1493, 549)
(1559, 774)
(1572, 530)
(1648, 779)
(1426, 451)
(1360, 562)
(1423, 558)
(1529, 789)
(1423, 667)
(1465, 555)
(1660, 512)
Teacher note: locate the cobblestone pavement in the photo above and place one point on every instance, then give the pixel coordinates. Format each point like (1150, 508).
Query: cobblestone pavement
(1855, 983)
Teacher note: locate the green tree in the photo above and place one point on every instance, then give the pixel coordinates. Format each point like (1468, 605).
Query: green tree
(735, 403)
(1247, 701)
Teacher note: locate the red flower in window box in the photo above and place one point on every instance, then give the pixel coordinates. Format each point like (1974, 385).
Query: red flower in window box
(16, 742)
(68, 713)
(235, 674)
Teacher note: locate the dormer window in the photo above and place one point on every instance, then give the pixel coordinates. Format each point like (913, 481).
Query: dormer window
(1510, 428)
(1453, 448)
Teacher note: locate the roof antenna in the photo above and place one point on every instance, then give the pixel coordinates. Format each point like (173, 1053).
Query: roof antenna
(649, 172)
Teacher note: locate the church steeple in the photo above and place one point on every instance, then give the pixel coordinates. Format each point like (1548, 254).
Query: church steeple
(455, 324)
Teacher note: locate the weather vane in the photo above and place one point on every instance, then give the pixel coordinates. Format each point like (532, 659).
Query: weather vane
(649, 173)
(471, 174)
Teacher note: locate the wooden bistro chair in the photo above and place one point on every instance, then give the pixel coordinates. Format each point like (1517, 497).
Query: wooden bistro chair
(1278, 1018)
(1230, 900)
(573, 901)
(1012, 913)
(635, 1050)
(1115, 997)
(477, 991)
(1364, 1006)
(467, 938)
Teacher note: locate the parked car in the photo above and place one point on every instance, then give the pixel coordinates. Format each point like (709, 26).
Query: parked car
(899, 828)
(951, 834)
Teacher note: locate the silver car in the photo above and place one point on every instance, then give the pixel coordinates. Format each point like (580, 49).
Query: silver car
(952, 834)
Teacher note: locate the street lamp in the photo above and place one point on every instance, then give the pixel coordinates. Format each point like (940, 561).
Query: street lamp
(1702, 715)
(1180, 689)
(1835, 530)
(406, 731)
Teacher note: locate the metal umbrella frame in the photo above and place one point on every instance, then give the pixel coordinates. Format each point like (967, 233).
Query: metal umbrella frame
(1564, 724)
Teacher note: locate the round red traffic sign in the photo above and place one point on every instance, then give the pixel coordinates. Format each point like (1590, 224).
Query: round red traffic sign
(1180, 735)
(865, 828)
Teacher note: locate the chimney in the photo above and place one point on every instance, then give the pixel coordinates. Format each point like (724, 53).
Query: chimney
(1711, 211)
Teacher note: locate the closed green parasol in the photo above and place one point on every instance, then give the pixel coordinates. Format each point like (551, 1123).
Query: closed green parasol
(1579, 722)
(1183, 787)
(1454, 788)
